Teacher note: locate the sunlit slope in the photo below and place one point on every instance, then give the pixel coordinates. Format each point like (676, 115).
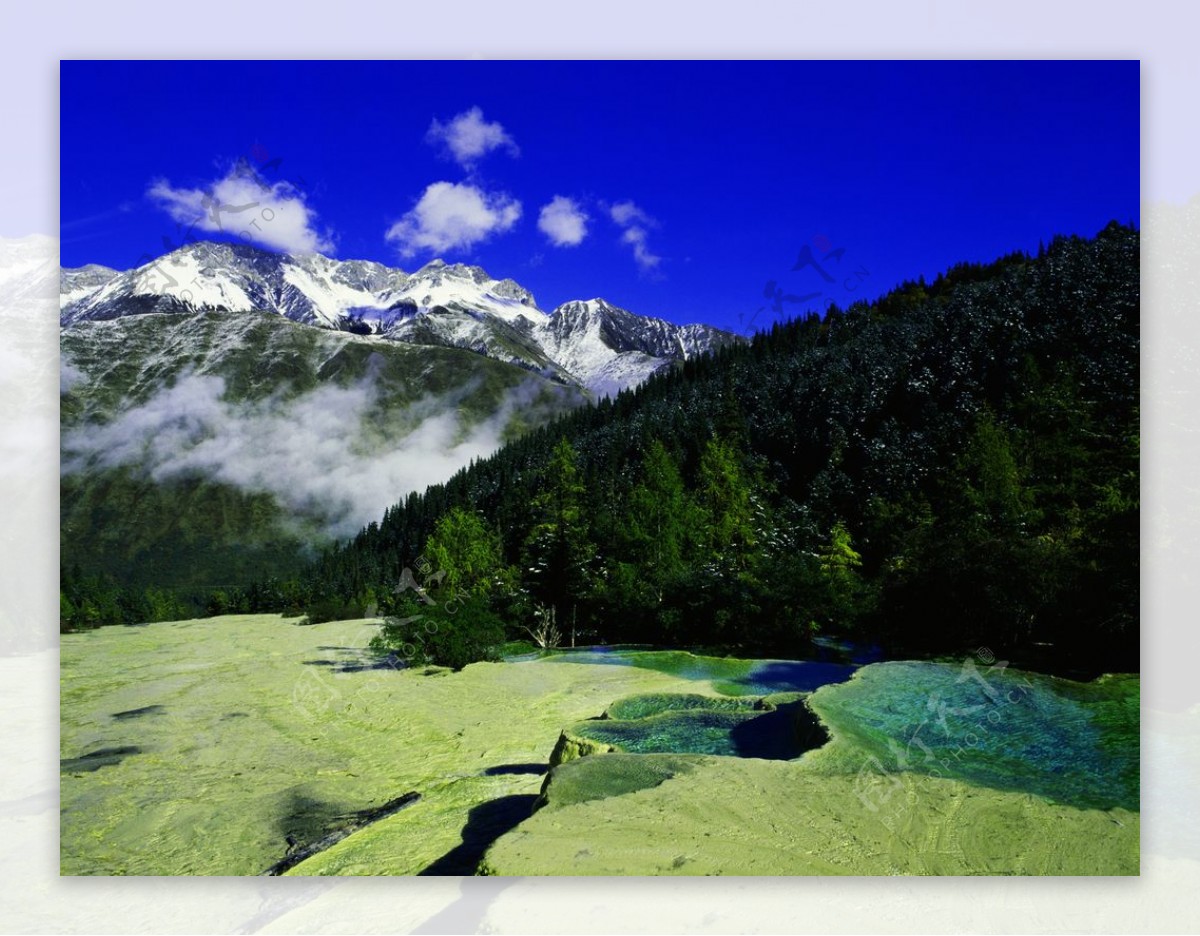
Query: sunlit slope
(718, 815)
(197, 747)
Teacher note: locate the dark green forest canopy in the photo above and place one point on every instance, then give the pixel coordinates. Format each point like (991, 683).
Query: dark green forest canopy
(953, 464)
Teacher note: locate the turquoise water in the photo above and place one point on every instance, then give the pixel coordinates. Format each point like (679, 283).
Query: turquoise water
(728, 675)
(666, 723)
(1074, 743)
(1071, 742)
(770, 736)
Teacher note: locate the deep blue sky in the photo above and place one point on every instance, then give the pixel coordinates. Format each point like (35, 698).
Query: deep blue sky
(900, 169)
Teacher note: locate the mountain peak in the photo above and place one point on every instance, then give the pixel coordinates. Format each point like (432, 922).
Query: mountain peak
(436, 269)
(591, 342)
(435, 264)
(582, 307)
(223, 251)
(609, 349)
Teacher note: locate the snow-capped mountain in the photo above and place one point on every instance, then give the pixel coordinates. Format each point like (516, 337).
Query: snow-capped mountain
(254, 405)
(608, 349)
(593, 344)
(74, 285)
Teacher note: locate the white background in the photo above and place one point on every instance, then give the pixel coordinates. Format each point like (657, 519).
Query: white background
(34, 37)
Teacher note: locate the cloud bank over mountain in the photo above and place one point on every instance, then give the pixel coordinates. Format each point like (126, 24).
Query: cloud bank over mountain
(317, 453)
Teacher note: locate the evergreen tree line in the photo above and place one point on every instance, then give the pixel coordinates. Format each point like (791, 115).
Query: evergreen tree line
(952, 465)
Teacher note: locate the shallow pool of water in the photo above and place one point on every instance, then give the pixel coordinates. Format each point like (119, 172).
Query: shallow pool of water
(1071, 742)
(677, 723)
(728, 675)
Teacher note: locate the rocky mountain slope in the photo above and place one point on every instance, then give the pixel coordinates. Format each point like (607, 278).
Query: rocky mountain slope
(593, 344)
(225, 408)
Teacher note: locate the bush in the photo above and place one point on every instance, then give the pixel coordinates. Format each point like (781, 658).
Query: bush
(454, 635)
(332, 609)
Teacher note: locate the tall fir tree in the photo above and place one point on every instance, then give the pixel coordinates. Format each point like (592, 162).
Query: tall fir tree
(559, 557)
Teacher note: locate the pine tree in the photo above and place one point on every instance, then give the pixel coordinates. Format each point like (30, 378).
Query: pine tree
(840, 565)
(658, 517)
(725, 499)
(559, 555)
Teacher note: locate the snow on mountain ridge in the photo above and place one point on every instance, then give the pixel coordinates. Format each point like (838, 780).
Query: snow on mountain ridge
(308, 288)
(608, 348)
(593, 343)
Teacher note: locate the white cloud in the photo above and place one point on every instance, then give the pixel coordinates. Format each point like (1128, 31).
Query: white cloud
(453, 215)
(468, 137)
(307, 452)
(636, 238)
(626, 213)
(635, 222)
(563, 221)
(243, 205)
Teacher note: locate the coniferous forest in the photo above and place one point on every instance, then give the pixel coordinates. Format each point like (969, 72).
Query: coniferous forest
(954, 465)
